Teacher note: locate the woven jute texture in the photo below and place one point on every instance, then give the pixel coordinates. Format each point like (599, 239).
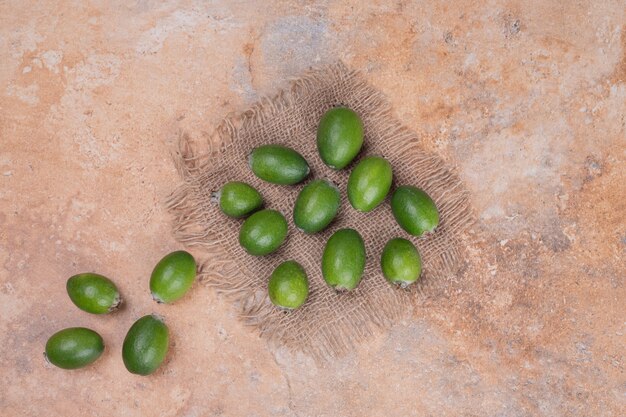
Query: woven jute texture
(329, 323)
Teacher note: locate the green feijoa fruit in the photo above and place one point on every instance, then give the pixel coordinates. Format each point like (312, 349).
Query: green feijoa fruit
(288, 286)
(278, 164)
(316, 206)
(343, 260)
(93, 293)
(172, 276)
(401, 262)
(339, 137)
(263, 232)
(414, 210)
(145, 345)
(74, 348)
(369, 183)
(238, 199)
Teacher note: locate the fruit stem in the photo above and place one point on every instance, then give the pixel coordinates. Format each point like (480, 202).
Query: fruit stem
(116, 304)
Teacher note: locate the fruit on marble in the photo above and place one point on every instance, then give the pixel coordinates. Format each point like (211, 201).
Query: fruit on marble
(414, 210)
(288, 286)
(173, 276)
(316, 206)
(74, 348)
(238, 199)
(263, 232)
(339, 137)
(400, 262)
(369, 183)
(93, 293)
(278, 164)
(343, 260)
(145, 346)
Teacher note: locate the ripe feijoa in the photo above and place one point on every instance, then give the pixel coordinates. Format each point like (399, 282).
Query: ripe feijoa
(369, 183)
(288, 286)
(278, 164)
(93, 293)
(316, 206)
(145, 345)
(263, 232)
(401, 262)
(172, 276)
(74, 348)
(414, 210)
(343, 260)
(339, 137)
(238, 199)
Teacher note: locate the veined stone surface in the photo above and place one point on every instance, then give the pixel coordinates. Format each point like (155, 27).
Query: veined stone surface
(526, 98)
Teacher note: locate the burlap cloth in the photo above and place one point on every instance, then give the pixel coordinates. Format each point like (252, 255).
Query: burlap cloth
(329, 323)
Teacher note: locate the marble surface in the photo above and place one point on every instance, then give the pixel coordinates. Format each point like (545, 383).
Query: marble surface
(527, 99)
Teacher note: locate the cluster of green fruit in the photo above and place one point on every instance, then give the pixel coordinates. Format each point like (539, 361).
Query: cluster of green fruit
(146, 342)
(339, 140)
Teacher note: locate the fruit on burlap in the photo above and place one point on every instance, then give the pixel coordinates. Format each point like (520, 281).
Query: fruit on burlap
(316, 206)
(400, 262)
(238, 199)
(146, 345)
(414, 210)
(173, 276)
(339, 137)
(369, 183)
(278, 164)
(263, 232)
(288, 287)
(343, 260)
(93, 293)
(74, 348)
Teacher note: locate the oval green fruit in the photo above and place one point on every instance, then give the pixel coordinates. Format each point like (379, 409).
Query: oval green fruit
(401, 262)
(369, 183)
(339, 137)
(74, 348)
(278, 164)
(414, 210)
(238, 199)
(288, 286)
(343, 260)
(316, 206)
(93, 293)
(263, 232)
(172, 276)
(145, 345)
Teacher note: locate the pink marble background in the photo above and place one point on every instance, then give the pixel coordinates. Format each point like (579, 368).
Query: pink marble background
(527, 99)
